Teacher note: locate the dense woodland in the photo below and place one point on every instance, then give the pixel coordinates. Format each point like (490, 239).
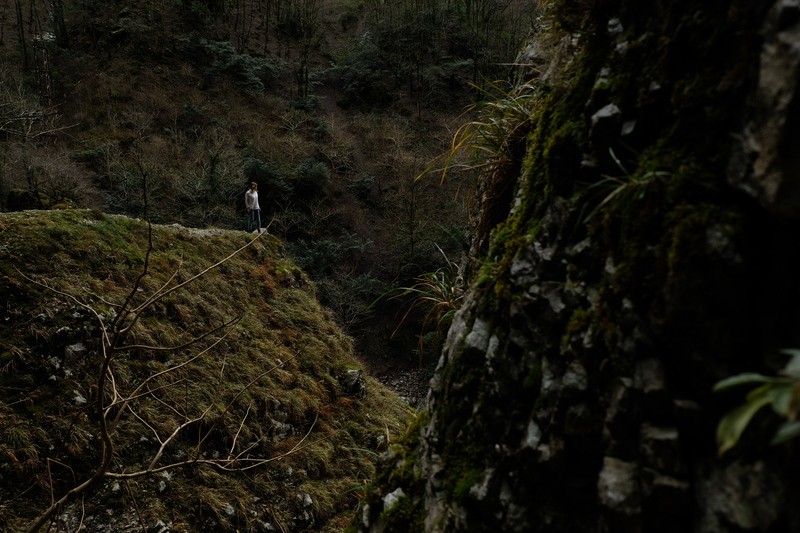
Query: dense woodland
(167, 110)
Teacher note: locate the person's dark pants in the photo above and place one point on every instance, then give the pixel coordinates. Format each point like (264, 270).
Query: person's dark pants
(254, 220)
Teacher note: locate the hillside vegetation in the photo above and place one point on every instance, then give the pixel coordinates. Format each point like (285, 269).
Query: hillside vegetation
(243, 359)
(333, 107)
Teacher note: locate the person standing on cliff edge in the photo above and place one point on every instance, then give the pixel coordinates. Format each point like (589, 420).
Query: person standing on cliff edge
(253, 209)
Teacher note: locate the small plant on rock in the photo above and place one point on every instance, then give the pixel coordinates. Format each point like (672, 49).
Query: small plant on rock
(782, 393)
(491, 140)
(623, 190)
(439, 293)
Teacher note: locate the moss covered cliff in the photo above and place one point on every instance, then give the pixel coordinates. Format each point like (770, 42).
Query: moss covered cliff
(637, 242)
(239, 378)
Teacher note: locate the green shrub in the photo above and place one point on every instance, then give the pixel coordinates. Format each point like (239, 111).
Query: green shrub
(190, 117)
(360, 72)
(349, 297)
(276, 189)
(311, 179)
(248, 72)
(362, 186)
(317, 258)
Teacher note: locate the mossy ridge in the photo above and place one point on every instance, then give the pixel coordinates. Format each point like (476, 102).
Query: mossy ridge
(304, 390)
(694, 163)
(469, 460)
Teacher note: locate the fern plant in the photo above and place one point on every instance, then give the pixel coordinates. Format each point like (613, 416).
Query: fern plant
(781, 393)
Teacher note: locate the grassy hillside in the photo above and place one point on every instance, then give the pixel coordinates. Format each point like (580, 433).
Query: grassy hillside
(200, 98)
(267, 389)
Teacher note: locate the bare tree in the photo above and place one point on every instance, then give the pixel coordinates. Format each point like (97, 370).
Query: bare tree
(23, 43)
(59, 27)
(60, 178)
(28, 121)
(24, 118)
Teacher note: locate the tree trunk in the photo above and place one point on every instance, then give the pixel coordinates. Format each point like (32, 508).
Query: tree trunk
(59, 27)
(21, 33)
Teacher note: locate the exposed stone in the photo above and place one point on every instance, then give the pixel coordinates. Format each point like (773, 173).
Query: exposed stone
(616, 486)
(607, 112)
(615, 27)
(533, 435)
(767, 161)
(480, 490)
(353, 383)
(306, 499)
(279, 431)
(478, 338)
(739, 497)
(391, 499)
(554, 298)
(75, 349)
(628, 127)
(661, 449)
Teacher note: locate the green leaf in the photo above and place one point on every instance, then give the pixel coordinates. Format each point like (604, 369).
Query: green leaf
(742, 379)
(788, 431)
(793, 366)
(732, 425)
(781, 398)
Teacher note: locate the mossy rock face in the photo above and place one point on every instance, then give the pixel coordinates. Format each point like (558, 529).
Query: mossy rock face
(628, 277)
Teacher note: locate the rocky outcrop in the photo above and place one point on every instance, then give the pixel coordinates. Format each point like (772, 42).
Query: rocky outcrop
(648, 252)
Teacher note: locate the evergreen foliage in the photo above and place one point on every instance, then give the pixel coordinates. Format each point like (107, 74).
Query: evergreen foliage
(248, 72)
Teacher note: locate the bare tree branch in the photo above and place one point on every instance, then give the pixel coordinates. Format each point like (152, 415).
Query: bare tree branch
(227, 465)
(238, 431)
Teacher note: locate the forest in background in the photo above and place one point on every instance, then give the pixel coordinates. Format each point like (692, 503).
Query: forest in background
(166, 110)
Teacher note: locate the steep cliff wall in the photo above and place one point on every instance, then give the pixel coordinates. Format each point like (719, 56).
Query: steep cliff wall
(647, 248)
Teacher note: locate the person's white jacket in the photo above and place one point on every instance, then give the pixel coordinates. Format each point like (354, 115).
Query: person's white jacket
(251, 200)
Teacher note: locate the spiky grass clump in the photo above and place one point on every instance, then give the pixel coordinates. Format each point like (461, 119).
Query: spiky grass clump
(438, 294)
